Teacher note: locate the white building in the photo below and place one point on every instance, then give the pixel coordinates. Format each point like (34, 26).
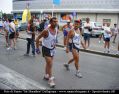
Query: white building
(106, 11)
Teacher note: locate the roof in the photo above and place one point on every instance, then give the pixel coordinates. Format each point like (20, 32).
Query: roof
(109, 6)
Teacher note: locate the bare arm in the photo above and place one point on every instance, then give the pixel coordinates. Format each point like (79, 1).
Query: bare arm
(82, 43)
(70, 36)
(43, 34)
(12, 28)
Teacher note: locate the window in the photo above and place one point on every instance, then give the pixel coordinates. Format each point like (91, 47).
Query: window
(105, 21)
(66, 16)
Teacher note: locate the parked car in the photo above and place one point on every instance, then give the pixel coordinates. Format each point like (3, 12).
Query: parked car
(22, 26)
(97, 28)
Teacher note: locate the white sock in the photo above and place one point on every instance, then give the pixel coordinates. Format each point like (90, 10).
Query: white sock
(47, 75)
(77, 71)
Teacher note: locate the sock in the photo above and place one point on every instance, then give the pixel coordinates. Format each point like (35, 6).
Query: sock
(47, 75)
(77, 71)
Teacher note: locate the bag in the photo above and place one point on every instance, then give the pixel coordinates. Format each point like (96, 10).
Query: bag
(90, 29)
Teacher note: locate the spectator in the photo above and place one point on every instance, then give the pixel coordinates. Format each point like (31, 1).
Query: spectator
(6, 29)
(12, 35)
(42, 25)
(30, 38)
(115, 31)
(107, 36)
(87, 30)
(16, 22)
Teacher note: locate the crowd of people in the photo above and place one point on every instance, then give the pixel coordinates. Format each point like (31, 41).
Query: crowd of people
(48, 31)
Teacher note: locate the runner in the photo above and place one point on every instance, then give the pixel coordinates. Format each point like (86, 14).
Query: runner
(66, 28)
(73, 44)
(48, 49)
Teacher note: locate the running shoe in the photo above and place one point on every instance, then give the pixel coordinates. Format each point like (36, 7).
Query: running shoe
(51, 82)
(78, 74)
(67, 67)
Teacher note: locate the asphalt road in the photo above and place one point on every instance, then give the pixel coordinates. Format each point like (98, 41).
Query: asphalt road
(99, 72)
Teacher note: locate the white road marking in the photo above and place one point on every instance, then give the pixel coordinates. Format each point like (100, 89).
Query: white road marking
(16, 80)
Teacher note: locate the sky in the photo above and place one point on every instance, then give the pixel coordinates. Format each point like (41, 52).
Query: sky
(6, 6)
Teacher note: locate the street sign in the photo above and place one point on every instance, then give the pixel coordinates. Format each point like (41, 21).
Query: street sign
(74, 13)
(56, 2)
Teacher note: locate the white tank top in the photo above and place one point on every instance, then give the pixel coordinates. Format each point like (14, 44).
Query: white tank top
(106, 35)
(50, 41)
(76, 39)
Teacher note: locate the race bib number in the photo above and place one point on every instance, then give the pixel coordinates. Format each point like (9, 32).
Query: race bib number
(52, 52)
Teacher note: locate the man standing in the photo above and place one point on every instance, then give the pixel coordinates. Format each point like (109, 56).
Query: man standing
(48, 48)
(74, 40)
(115, 32)
(107, 36)
(87, 30)
(30, 38)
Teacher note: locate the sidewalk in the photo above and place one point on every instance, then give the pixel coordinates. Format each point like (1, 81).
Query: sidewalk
(95, 46)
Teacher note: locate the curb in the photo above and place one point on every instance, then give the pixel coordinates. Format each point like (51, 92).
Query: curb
(88, 51)
(94, 52)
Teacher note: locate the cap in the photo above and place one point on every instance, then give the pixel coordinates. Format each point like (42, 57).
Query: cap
(78, 21)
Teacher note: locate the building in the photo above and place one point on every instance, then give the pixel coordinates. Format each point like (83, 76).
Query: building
(105, 11)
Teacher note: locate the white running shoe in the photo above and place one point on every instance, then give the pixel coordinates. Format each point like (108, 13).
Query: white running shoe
(51, 82)
(9, 48)
(78, 74)
(46, 77)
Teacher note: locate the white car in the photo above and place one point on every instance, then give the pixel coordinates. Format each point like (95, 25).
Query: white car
(97, 28)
